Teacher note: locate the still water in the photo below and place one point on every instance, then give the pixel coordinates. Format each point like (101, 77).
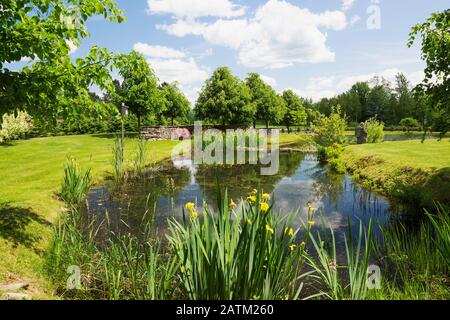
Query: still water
(160, 194)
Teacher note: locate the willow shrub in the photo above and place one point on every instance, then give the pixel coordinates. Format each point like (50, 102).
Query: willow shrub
(375, 130)
(244, 253)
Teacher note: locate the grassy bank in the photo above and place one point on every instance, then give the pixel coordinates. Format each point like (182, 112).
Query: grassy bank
(414, 172)
(31, 174)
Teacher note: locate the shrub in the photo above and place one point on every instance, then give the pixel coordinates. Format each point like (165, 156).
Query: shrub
(333, 155)
(76, 183)
(409, 123)
(332, 152)
(15, 127)
(375, 130)
(330, 130)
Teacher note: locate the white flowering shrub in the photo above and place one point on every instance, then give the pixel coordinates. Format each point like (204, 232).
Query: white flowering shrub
(15, 127)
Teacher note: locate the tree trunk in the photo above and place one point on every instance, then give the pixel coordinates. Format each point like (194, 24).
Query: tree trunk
(254, 123)
(172, 121)
(288, 129)
(267, 124)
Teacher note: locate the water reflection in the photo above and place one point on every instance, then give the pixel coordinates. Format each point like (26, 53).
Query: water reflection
(162, 193)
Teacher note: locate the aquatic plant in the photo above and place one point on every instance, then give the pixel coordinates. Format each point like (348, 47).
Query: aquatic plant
(141, 156)
(76, 183)
(118, 160)
(330, 273)
(113, 266)
(245, 253)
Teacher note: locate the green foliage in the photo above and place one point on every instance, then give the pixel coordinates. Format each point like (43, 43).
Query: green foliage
(119, 267)
(76, 183)
(330, 272)
(435, 36)
(295, 111)
(238, 254)
(15, 127)
(441, 224)
(118, 160)
(409, 123)
(270, 107)
(139, 88)
(375, 130)
(332, 155)
(225, 100)
(141, 156)
(380, 99)
(176, 103)
(330, 130)
(44, 30)
(416, 257)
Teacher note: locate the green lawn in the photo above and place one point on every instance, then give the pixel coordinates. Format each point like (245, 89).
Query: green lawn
(430, 154)
(30, 176)
(414, 173)
(412, 133)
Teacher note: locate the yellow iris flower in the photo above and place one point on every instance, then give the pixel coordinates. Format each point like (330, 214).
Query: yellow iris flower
(190, 206)
(266, 197)
(264, 207)
(269, 229)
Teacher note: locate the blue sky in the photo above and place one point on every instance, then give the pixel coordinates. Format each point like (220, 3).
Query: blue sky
(316, 47)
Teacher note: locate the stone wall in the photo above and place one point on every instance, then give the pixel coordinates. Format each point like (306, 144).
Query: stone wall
(166, 133)
(186, 133)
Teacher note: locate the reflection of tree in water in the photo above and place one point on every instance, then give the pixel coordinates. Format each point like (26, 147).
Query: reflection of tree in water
(328, 184)
(241, 179)
(138, 198)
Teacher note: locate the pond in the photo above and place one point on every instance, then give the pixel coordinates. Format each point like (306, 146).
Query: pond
(161, 194)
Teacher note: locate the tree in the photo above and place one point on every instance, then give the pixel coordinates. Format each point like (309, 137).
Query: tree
(225, 100)
(330, 130)
(351, 104)
(435, 35)
(270, 106)
(295, 111)
(379, 100)
(405, 99)
(176, 103)
(409, 123)
(139, 88)
(43, 31)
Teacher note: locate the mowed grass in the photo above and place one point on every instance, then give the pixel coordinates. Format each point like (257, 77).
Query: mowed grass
(414, 153)
(417, 174)
(31, 172)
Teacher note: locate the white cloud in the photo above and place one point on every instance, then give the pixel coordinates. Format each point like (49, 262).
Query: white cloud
(269, 80)
(195, 8)
(207, 53)
(183, 71)
(278, 35)
(347, 4)
(172, 65)
(327, 87)
(158, 51)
